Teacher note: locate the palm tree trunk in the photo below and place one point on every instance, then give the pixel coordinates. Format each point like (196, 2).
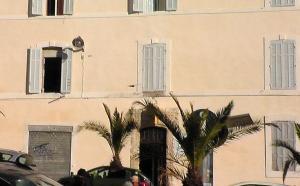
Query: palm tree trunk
(193, 178)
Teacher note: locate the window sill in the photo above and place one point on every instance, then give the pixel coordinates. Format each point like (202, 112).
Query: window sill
(278, 174)
(154, 93)
(278, 92)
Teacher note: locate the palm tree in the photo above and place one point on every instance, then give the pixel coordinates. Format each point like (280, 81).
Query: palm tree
(120, 128)
(294, 157)
(201, 133)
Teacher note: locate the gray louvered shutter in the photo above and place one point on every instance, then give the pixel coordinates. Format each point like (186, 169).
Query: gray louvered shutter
(137, 5)
(159, 67)
(273, 65)
(291, 140)
(68, 7)
(66, 72)
(290, 63)
(171, 5)
(36, 7)
(274, 149)
(35, 60)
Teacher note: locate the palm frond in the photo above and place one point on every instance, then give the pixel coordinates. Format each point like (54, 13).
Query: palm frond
(107, 111)
(240, 130)
(288, 163)
(172, 125)
(2, 113)
(295, 154)
(183, 116)
(99, 128)
(297, 127)
(224, 113)
(176, 172)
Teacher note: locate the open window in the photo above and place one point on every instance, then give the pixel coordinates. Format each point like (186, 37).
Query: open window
(49, 70)
(52, 7)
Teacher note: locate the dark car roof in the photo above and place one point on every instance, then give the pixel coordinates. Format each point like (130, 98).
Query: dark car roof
(107, 167)
(10, 169)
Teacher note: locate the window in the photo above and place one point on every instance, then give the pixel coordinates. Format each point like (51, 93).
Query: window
(282, 64)
(280, 3)
(152, 5)
(49, 70)
(53, 7)
(154, 68)
(284, 132)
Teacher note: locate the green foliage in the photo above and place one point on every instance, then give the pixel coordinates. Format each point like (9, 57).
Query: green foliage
(119, 130)
(203, 131)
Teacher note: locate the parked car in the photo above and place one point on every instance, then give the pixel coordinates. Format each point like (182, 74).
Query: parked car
(102, 176)
(18, 169)
(253, 183)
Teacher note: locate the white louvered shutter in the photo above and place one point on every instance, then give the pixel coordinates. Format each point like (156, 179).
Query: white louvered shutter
(171, 5)
(284, 132)
(148, 6)
(36, 7)
(159, 67)
(68, 7)
(66, 72)
(138, 5)
(273, 64)
(35, 60)
(274, 149)
(147, 68)
(282, 64)
(290, 64)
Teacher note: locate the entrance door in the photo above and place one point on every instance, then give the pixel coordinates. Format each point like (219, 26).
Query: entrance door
(153, 154)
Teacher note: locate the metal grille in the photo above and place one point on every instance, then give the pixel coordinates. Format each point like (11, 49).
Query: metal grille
(51, 152)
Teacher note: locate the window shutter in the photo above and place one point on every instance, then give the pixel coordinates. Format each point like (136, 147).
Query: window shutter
(159, 67)
(147, 68)
(291, 64)
(274, 149)
(273, 65)
(35, 60)
(148, 6)
(68, 7)
(36, 7)
(66, 72)
(138, 5)
(171, 5)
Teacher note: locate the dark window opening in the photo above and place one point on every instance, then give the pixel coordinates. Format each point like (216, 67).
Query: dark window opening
(52, 78)
(153, 154)
(159, 5)
(60, 7)
(51, 8)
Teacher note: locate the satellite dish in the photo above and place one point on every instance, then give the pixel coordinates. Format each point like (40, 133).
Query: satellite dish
(78, 42)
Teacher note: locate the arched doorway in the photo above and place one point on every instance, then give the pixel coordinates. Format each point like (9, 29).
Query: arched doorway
(153, 154)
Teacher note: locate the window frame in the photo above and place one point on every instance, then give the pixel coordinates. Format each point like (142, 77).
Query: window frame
(65, 88)
(270, 173)
(140, 59)
(282, 42)
(266, 42)
(40, 8)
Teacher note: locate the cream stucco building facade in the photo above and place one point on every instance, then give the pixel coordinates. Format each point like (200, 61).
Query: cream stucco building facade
(207, 52)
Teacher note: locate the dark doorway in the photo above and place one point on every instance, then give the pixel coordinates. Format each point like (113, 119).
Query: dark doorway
(50, 7)
(153, 154)
(52, 78)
